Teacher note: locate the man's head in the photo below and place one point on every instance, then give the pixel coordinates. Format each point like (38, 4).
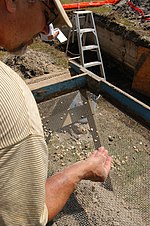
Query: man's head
(61, 17)
(22, 20)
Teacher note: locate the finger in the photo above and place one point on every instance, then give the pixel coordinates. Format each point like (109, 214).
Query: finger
(94, 153)
(103, 151)
(107, 164)
(101, 156)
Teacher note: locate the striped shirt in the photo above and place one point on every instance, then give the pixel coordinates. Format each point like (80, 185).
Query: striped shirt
(23, 154)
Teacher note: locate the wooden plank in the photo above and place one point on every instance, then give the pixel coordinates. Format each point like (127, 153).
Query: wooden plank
(42, 93)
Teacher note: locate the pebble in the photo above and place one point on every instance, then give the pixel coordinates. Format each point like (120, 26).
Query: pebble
(93, 188)
(123, 162)
(117, 161)
(63, 164)
(110, 138)
(61, 156)
(136, 150)
(115, 223)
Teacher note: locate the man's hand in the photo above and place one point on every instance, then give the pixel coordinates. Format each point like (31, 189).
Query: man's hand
(98, 165)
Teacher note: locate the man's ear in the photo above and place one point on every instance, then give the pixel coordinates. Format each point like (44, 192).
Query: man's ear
(11, 5)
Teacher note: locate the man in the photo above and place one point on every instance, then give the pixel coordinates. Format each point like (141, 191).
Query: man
(54, 33)
(27, 196)
(51, 35)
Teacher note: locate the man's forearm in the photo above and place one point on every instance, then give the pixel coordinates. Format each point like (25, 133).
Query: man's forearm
(60, 186)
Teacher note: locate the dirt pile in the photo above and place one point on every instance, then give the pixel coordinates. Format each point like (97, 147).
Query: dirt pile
(130, 13)
(42, 60)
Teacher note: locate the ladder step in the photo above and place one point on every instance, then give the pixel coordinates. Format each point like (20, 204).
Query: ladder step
(75, 58)
(82, 12)
(90, 47)
(91, 64)
(85, 30)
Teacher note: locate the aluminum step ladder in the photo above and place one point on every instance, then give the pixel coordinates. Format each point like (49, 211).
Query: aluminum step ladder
(83, 26)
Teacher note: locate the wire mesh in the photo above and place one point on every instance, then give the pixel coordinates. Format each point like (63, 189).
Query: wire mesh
(76, 123)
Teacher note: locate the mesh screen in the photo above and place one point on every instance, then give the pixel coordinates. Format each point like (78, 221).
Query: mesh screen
(75, 124)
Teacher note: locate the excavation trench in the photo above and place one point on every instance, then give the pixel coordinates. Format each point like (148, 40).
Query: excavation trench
(125, 54)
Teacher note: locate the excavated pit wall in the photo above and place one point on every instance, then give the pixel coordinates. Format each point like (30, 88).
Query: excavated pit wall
(128, 48)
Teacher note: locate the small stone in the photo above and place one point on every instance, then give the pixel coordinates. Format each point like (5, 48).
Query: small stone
(63, 164)
(94, 200)
(61, 156)
(115, 223)
(136, 150)
(93, 188)
(110, 138)
(117, 161)
(123, 162)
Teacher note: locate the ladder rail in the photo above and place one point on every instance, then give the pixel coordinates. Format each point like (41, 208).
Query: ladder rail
(82, 32)
(99, 51)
